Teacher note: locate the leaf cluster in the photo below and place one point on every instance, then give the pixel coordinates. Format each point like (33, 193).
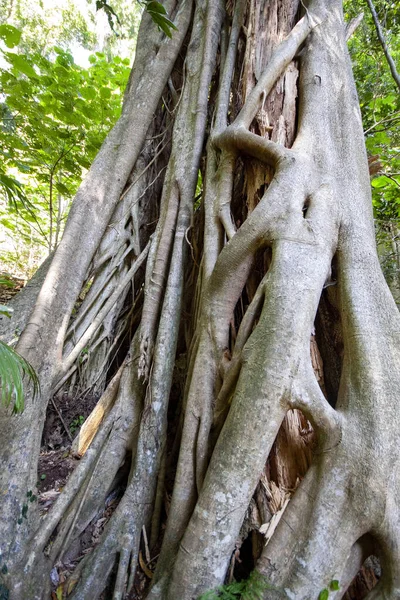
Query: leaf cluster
(252, 588)
(54, 116)
(379, 100)
(159, 15)
(13, 368)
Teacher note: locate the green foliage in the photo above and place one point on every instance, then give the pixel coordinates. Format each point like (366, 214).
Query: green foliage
(76, 424)
(46, 23)
(13, 368)
(159, 15)
(252, 588)
(5, 310)
(12, 190)
(334, 585)
(53, 119)
(31, 497)
(10, 35)
(379, 100)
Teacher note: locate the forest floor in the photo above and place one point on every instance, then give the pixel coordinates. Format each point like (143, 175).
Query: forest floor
(65, 415)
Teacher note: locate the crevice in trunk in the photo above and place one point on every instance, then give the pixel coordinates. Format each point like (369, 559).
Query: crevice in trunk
(329, 336)
(365, 580)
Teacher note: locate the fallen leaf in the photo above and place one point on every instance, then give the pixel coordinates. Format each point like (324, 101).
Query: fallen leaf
(144, 567)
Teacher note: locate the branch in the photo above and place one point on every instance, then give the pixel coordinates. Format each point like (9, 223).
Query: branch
(382, 40)
(393, 117)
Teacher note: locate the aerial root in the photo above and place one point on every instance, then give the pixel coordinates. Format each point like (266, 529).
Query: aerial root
(101, 315)
(307, 396)
(122, 574)
(230, 369)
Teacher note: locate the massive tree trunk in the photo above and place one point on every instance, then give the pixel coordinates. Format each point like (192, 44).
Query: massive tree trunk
(261, 311)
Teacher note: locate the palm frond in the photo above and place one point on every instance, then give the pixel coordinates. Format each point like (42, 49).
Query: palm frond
(13, 368)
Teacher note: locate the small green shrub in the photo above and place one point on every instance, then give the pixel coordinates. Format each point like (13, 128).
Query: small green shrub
(252, 588)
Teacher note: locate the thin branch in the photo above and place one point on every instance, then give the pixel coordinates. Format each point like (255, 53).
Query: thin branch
(391, 179)
(156, 155)
(386, 120)
(67, 431)
(382, 40)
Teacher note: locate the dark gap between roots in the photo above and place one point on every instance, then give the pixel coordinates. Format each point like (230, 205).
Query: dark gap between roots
(287, 464)
(329, 337)
(365, 580)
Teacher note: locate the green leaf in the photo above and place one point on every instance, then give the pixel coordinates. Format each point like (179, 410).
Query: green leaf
(12, 189)
(6, 282)
(64, 191)
(13, 367)
(89, 93)
(160, 17)
(163, 23)
(334, 585)
(105, 93)
(11, 35)
(6, 310)
(156, 7)
(20, 63)
(324, 595)
(379, 182)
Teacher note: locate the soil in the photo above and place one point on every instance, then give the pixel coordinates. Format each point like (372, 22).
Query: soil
(13, 286)
(65, 415)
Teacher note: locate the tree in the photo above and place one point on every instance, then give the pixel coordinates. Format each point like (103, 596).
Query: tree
(219, 321)
(55, 118)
